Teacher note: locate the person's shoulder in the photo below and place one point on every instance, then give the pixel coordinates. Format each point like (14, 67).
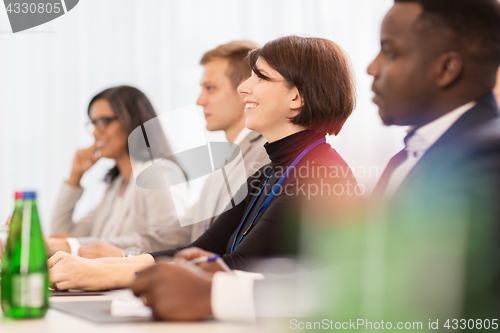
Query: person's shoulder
(471, 153)
(482, 141)
(326, 155)
(256, 150)
(324, 162)
(479, 128)
(255, 138)
(486, 133)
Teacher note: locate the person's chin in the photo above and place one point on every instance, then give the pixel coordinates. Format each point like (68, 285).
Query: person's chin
(211, 127)
(387, 120)
(397, 117)
(249, 124)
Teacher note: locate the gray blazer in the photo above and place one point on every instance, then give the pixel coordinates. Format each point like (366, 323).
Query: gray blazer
(141, 217)
(214, 198)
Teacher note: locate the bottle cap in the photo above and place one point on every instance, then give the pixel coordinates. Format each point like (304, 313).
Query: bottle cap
(29, 195)
(18, 195)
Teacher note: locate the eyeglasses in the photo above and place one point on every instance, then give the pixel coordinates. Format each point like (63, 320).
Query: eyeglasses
(100, 123)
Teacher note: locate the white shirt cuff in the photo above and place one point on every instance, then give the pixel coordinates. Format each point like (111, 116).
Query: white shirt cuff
(232, 295)
(74, 245)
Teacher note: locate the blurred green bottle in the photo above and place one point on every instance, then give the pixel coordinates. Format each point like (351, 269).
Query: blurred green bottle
(25, 278)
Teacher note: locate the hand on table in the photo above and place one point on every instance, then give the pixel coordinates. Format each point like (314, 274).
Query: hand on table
(175, 292)
(192, 253)
(100, 250)
(71, 272)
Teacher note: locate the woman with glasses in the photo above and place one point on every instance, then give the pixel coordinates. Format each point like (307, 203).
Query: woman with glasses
(128, 216)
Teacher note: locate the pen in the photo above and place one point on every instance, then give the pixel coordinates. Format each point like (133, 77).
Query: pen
(215, 258)
(203, 259)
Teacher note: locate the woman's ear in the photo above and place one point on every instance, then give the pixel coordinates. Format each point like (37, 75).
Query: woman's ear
(296, 101)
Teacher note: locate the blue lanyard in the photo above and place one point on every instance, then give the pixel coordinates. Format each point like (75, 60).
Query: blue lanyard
(273, 192)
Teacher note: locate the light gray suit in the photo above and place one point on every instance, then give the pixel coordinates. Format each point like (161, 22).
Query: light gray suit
(214, 198)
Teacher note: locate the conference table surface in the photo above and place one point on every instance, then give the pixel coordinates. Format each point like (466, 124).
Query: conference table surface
(56, 321)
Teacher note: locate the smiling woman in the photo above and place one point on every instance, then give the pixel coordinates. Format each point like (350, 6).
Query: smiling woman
(301, 89)
(306, 82)
(294, 106)
(128, 216)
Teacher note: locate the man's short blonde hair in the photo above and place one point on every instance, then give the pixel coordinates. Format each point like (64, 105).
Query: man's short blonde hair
(235, 52)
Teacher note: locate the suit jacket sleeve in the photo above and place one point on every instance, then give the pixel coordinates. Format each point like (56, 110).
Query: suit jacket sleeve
(62, 216)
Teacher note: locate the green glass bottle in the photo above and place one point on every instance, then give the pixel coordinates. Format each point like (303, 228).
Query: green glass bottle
(25, 278)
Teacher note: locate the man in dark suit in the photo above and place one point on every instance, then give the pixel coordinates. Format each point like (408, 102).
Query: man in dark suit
(439, 244)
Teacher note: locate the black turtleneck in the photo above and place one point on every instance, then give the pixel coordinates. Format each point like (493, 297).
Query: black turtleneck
(284, 151)
(269, 236)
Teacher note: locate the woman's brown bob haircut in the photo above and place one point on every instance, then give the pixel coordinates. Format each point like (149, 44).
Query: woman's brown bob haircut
(322, 74)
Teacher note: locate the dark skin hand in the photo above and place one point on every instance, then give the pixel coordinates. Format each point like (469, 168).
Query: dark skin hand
(175, 292)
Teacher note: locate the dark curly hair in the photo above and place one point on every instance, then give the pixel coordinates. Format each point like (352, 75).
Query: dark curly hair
(475, 24)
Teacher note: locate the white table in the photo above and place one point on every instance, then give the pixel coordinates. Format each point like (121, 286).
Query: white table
(59, 322)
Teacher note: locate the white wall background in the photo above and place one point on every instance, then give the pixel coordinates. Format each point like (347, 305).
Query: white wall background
(49, 73)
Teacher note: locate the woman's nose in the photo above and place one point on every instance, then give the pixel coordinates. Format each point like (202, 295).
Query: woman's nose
(96, 132)
(244, 88)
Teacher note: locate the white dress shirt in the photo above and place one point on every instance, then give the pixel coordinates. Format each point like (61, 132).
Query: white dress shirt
(232, 296)
(420, 142)
(235, 296)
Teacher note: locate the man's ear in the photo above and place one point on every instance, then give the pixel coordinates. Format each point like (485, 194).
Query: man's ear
(449, 67)
(496, 89)
(296, 101)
